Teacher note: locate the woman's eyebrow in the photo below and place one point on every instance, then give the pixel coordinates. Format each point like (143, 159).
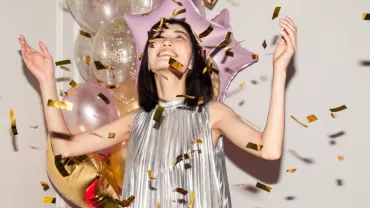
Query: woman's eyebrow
(179, 31)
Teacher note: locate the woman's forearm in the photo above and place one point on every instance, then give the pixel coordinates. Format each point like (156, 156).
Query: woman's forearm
(272, 136)
(53, 116)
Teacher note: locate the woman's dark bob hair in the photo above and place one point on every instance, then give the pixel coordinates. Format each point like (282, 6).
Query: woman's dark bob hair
(197, 84)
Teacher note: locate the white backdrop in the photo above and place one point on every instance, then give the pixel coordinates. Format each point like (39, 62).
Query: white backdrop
(331, 68)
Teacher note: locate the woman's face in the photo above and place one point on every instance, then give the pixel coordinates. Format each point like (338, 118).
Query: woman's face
(174, 43)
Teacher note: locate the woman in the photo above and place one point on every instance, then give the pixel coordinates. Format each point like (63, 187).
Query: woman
(181, 146)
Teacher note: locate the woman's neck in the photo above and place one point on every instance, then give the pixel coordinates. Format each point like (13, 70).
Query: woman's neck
(169, 86)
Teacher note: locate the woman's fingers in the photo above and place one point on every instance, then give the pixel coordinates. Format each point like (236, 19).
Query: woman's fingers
(287, 39)
(291, 22)
(290, 32)
(44, 50)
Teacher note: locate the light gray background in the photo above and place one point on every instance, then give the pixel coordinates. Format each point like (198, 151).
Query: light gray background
(327, 72)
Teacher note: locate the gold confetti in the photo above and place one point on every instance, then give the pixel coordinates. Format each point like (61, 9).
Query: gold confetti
(104, 98)
(49, 200)
(34, 127)
(174, 14)
(366, 16)
(99, 66)
(63, 62)
(86, 34)
(11, 114)
(201, 100)
(64, 67)
(88, 59)
(340, 158)
(181, 191)
(45, 186)
(243, 184)
(60, 104)
(192, 199)
(257, 147)
(264, 44)
(181, 157)
(229, 53)
(186, 96)
(73, 84)
(175, 64)
(337, 109)
(242, 84)
(206, 32)
(150, 175)
(125, 203)
(111, 135)
(141, 56)
(223, 44)
(14, 127)
(158, 114)
(209, 66)
(158, 205)
(255, 56)
(196, 141)
(70, 93)
(311, 118)
(334, 115)
(112, 86)
(296, 120)
(177, 2)
(263, 187)
(276, 12)
(292, 170)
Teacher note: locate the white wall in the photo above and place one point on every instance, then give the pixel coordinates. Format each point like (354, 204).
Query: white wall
(333, 40)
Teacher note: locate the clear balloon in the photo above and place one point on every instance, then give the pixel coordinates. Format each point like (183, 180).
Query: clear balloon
(75, 8)
(89, 110)
(141, 6)
(82, 53)
(114, 48)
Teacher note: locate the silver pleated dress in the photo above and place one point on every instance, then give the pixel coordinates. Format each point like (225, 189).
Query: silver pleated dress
(155, 147)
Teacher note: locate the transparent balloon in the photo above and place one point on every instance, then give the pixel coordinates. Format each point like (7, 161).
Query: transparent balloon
(82, 52)
(114, 49)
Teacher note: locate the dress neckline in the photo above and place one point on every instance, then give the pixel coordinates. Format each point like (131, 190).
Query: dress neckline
(168, 104)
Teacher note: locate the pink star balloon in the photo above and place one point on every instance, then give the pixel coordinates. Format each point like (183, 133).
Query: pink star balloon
(230, 66)
(140, 24)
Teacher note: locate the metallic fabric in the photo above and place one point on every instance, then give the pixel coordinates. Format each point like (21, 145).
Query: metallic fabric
(156, 148)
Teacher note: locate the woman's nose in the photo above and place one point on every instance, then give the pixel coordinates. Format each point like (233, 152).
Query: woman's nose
(167, 42)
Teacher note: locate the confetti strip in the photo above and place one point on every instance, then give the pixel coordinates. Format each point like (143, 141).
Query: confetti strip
(340, 158)
(337, 109)
(264, 44)
(111, 135)
(59, 165)
(366, 16)
(174, 14)
(60, 104)
(255, 56)
(112, 86)
(192, 199)
(263, 187)
(13, 122)
(334, 115)
(292, 170)
(177, 2)
(311, 118)
(158, 205)
(104, 98)
(241, 85)
(223, 44)
(99, 66)
(206, 32)
(125, 203)
(150, 175)
(70, 93)
(34, 127)
(276, 12)
(186, 96)
(48, 200)
(296, 120)
(257, 147)
(199, 141)
(86, 34)
(181, 191)
(181, 157)
(201, 100)
(45, 186)
(73, 84)
(65, 68)
(63, 62)
(141, 56)
(175, 64)
(88, 59)
(158, 114)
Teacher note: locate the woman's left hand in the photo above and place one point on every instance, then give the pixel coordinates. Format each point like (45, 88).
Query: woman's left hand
(287, 46)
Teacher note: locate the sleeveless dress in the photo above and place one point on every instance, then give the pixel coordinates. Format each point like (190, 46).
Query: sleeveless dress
(167, 150)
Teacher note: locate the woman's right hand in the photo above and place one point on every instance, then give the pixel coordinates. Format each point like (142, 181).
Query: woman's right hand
(41, 65)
